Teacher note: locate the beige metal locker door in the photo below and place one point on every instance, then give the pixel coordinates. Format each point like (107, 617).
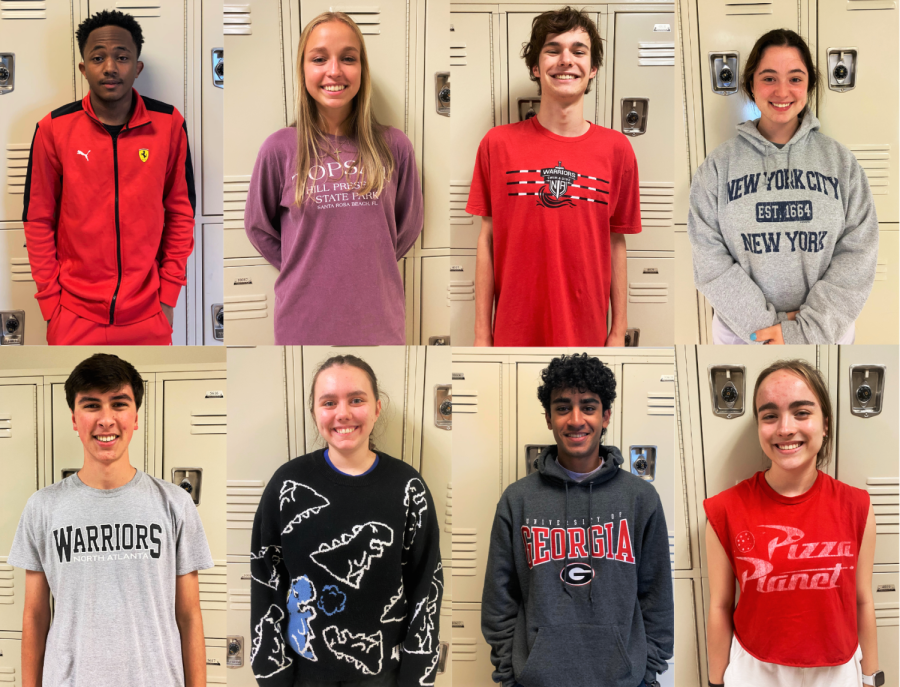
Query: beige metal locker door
(682, 161)
(440, 145)
(471, 654)
(258, 444)
(461, 294)
(731, 450)
(684, 295)
(647, 397)
(520, 85)
(19, 446)
(195, 426)
(734, 26)
(472, 48)
(878, 321)
(257, 55)
(216, 672)
(249, 301)
(42, 79)
(651, 285)
(213, 102)
(213, 297)
(887, 622)
(435, 305)
(867, 447)
(67, 449)
(644, 69)
(11, 658)
(17, 287)
(687, 665)
(865, 118)
(390, 366)
(386, 29)
(240, 673)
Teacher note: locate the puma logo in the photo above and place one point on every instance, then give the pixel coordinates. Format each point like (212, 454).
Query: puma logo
(85, 155)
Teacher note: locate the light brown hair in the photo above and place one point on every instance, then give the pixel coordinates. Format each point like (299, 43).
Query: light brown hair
(781, 38)
(556, 22)
(816, 383)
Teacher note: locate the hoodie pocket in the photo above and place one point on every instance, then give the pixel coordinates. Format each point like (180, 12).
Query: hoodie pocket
(587, 655)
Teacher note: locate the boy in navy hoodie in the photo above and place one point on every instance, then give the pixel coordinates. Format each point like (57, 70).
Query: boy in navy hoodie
(578, 581)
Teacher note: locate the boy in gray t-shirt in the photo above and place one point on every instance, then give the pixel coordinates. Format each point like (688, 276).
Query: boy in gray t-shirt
(119, 551)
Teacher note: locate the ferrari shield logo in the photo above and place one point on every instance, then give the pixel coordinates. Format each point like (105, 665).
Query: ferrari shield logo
(144, 154)
(558, 179)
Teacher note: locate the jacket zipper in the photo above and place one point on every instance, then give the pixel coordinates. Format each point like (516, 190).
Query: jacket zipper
(112, 304)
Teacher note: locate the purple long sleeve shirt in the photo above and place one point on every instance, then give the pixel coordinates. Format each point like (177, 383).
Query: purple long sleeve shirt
(339, 283)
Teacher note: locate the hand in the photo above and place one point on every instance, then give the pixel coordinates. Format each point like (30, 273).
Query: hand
(484, 340)
(614, 339)
(169, 312)
(769, 335)
(792, 315)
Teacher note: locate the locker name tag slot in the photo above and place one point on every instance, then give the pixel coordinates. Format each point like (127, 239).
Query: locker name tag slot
(458, 623)
(213, 662)
(456, 268)
(215, 394)
(662, 27)
(651, 270)
(883, 588)
(246, 576)
(241, 281)
(459, 375)
(667, 378)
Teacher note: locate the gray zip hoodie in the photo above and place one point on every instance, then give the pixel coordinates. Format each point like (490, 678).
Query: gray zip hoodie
(774, 231)
(578, 586)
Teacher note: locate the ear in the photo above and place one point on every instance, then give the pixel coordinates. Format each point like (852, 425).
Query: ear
(547, 417)
(74, 426)
(81, 69)
(536, 72)
(593, 72)
(378, 409)
(607, 414)
(140, 68)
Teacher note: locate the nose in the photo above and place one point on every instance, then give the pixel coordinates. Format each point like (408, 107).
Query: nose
(576, 419)
(334, 67)
(110, 66)
(107, 418)
(343, 409)
(786, 425)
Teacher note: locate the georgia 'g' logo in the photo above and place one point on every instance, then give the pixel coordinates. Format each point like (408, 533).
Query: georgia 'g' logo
(576, 574)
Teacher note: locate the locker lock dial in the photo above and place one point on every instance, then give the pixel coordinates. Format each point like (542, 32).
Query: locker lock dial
(643, 461)
(442, 93)
(529, 107)
(635, 112)
(842, 69)
(443, 406)
(438, 340)
(532, 451)
(218, 321)
(726, 384)
(867, 390)
(632, 337)
(724, 71)
(12, 328)
(235, 656)
(7, 72)
(218, 67)
(189, 479)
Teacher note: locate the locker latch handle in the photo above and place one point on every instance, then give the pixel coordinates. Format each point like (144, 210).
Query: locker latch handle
(726, 385)
(7, 72)
(643, 461)
(442, 93)
(218, 67)
(12, 328)
(443, 653)
(532, 452)
(842, 68)
(189, 479)
(234, 657)
(529, 107)
(724, 71)
(635, 113)
(218, 321)
(438, 340)
(443, 406)
(867, 383)
(632, 337)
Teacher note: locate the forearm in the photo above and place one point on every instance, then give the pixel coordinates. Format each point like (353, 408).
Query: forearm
(193, 649)
(618, 288)
(719, 631)
(484, 286)
(868, 640)
(34, 641)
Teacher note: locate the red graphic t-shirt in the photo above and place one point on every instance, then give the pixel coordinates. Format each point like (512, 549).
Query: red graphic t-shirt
(795, 559)
(554, 201)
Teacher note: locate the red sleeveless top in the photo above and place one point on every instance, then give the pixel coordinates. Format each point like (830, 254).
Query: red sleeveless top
(795, 559)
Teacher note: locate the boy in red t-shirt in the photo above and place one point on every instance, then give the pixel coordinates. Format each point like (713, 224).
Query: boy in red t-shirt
(557, 194)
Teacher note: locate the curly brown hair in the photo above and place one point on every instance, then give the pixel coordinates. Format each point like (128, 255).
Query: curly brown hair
(555, 22)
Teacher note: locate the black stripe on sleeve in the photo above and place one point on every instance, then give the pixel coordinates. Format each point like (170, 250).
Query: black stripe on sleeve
(28, 176)
(71, 108)
(189, 171)
(157, 105)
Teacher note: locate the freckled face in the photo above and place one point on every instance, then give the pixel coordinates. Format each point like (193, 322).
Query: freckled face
(791, 423)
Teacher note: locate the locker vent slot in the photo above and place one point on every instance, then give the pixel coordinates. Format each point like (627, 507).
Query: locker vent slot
(464, 649)
(23, 9)
(672, 549)
(881, 270)
(16, 165)
(20, 269)
(237, 21)
(367, 17)
(875, 159)
(648, 292)
(884, 493)
(460, 291)
(660, 403)
(459, 194)
(5, 430)
(241, 501)
(738, 7)
(214, 587)
(465, 401)
(656, 54)
(252, 306)
(7, 584)
(234, 196)
(657, 203)
(238, 599)
(448, 510)
(204, 422)
(140, 8)
(458, 55)
(464, 549)
(871, 4)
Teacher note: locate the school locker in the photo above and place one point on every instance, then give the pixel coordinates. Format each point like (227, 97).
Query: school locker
(686, 670)
(213, 298)
(878, 320)
(239, 644)
(650, 308)
(447, 310)
(212, 101)
(216, 651)
(11, 658)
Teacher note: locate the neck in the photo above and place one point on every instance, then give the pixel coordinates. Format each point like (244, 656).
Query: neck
(564, 119)
(792, 482)
(778, 133)
(334, 121)
(352, 462)
(106, 475)
(113, 113)
(580, 464)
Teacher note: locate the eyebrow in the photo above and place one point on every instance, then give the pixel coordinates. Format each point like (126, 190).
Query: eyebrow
(557, 44)
(358, 392)
(566, 399)
(793, 71)
(115, 47)
(795, 404)
(320, 48)
(92, 399)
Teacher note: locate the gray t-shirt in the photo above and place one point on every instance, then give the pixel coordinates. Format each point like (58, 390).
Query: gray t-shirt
(111, 558)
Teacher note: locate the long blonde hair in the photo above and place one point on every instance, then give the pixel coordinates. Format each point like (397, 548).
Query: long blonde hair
(374, 163)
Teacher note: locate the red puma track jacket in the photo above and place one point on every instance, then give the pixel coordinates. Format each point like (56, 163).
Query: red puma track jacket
(109, 222)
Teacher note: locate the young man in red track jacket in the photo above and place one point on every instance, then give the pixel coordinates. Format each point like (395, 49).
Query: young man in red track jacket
(109, 201)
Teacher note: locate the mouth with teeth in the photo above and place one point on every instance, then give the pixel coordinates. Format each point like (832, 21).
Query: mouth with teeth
(565, 77)
(781, 106)
(344, 431)
(335, 88)
(106, 438)
(789, 448)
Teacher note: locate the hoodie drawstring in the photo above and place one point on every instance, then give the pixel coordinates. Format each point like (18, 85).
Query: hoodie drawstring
(565, 545)
(589, 542)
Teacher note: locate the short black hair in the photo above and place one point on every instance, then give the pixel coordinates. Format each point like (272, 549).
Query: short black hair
(103, 372)
(581, 372)
(109, 18)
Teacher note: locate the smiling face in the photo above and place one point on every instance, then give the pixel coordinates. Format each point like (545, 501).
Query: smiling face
(110, 63)
(564, 65)
(345, 408)
(790, 421)
(577, 420)
(780, 86)
(332, 68)
(105, 423)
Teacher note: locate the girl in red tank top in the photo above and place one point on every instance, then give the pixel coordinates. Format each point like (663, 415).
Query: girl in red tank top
(800, 544)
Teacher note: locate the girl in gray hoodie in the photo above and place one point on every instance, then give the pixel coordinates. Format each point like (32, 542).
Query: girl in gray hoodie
(782, 222)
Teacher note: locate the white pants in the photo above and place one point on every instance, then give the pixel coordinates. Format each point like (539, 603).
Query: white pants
(722, 334)
(746, 671)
